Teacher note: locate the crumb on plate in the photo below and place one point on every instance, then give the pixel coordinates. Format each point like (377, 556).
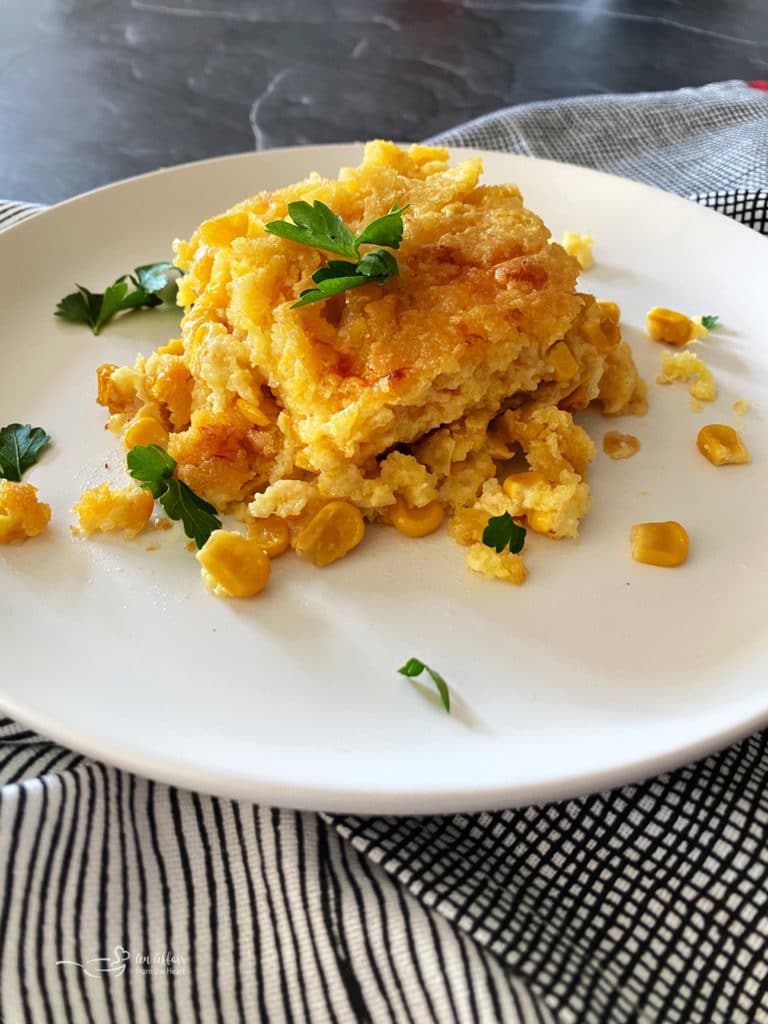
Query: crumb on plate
(103, 510)
(22, 514)
(691, 369)
(580, 247)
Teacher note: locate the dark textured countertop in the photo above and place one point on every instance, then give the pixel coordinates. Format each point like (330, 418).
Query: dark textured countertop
(95, 90)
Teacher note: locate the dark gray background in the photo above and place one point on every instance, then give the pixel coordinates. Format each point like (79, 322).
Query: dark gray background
(96, 90)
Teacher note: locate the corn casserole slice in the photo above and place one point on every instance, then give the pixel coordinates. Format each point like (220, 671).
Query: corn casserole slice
(400, 396)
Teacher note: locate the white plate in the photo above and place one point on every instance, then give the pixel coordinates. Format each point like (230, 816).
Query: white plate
(596, 672)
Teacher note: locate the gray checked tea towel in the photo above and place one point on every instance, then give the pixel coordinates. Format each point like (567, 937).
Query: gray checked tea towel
(125, 900)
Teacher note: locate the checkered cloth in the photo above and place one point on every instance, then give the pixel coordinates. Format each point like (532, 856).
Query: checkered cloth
(125, 900)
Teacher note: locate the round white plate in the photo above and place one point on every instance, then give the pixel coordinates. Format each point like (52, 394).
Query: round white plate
(595, 672)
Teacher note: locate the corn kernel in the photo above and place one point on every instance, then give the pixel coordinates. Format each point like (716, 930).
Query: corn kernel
(332, 533)
(563, 363)
(21, 514)
(175, 347)
(222, 231)
(669, 326)
(663, 544)
(271, 534)
(515, 481)
(252, 413)
(610, 310)
(603, 334)
(233, 565)
(721, 445)
(146, 430)
(416, 522)
(741, 406)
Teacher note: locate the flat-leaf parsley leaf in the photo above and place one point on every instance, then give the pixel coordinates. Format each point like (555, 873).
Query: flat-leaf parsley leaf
(149, 285)
(20, 448)
(709, 322)
(153, 467)
(501, 532)
(317, 225)
(413, 668)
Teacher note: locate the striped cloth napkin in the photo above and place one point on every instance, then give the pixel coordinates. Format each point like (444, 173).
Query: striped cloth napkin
(125, 900)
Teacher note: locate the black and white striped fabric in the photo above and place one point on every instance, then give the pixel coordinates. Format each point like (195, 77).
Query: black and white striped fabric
(126, 900)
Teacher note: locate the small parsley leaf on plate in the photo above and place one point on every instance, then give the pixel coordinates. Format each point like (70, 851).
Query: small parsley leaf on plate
(153, 468)
(501, 532)
(20, 448)
(709, 322)
(413, 668)
(81, 307)
(149, 285)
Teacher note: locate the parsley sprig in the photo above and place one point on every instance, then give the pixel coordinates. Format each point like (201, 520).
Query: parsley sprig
(709, 322)
(149, 285)
(153, 467)
(20, 448)
(318, 226)
(413, 668)
(501, 532)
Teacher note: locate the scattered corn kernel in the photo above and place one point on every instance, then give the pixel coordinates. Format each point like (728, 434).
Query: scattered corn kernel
(271, 534)
(663, 544)
(233, 565)
(102, 510)
(741, 406)
(620, 446)
(579, 246)
(331, 533)
(721, 445)
(561, 358)
(669, 326)
(610, 310)
(21, 514)
(146, 430)
(416, 522)
(685, 366)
